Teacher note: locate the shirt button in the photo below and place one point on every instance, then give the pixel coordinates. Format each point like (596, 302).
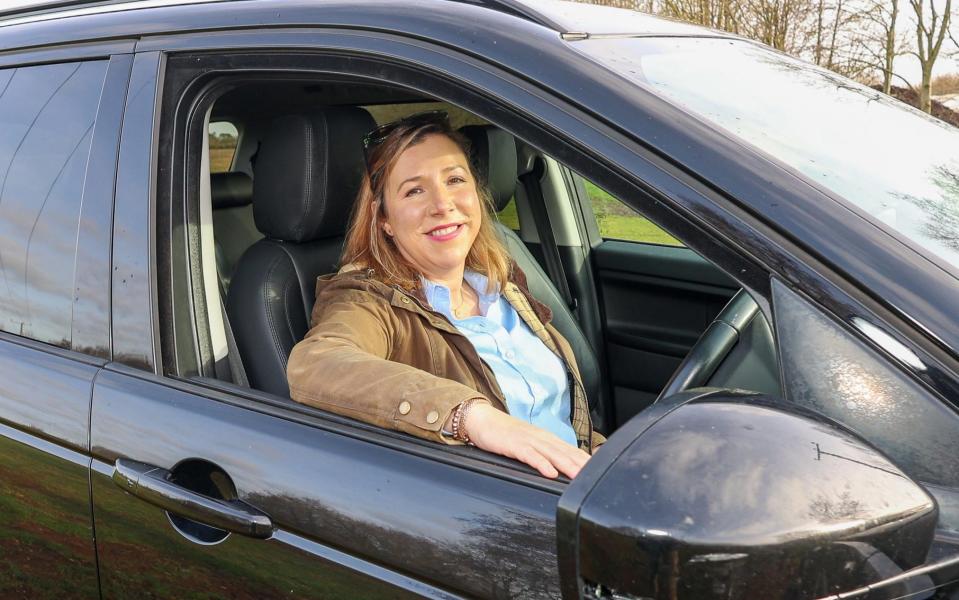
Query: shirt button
(432, 417)
(509, 354)
(405, 408)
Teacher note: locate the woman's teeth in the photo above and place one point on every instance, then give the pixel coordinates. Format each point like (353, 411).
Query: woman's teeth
(444, 231)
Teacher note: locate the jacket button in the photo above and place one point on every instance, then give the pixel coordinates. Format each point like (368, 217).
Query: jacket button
(405, 300)
(432, 417)
(405, 408)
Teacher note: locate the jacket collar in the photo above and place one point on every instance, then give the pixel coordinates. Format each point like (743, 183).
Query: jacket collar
(517, 276)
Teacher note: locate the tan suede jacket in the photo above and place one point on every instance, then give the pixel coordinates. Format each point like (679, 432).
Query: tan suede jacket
(381, 355)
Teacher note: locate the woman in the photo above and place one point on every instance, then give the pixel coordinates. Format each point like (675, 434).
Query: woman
(429, 329)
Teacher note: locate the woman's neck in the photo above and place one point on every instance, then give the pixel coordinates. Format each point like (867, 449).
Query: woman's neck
(453, 281)
(463, 303)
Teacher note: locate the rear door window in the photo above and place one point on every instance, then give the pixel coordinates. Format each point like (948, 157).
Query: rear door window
(47, 114)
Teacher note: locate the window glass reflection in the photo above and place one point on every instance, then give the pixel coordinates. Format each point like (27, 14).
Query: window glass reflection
(47, 115)
(899, 165)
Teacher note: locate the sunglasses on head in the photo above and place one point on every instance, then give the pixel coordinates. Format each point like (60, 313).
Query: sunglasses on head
(376, 137)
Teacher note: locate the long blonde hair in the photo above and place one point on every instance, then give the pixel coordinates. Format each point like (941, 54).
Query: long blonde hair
(367, 245)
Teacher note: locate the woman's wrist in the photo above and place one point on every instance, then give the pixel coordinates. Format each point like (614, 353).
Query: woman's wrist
(460, 417)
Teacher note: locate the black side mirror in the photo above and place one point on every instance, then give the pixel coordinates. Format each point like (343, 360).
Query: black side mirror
(720, 494)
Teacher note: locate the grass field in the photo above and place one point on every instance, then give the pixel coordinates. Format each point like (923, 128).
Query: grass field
(616, 220)
(220, 159)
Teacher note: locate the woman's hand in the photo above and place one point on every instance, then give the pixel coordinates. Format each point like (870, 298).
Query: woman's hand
(496, 431)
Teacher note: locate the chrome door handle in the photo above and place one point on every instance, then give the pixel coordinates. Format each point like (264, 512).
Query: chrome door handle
(153, 484)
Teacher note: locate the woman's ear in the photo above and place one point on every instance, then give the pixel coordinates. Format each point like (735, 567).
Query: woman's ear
(387, 229)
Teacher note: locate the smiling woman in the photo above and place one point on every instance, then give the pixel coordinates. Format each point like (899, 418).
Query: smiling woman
(423, 328)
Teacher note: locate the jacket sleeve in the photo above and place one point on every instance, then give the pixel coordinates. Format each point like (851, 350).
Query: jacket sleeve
(343, 366)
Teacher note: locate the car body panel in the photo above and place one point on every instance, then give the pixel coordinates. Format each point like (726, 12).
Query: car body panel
(47, 529)
(48, 546)
(412, 520)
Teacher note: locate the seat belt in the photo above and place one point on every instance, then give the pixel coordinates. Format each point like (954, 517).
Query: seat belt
(537, 204)
(237, 372)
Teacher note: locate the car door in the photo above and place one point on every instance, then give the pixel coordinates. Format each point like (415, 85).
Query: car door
(656, 297)
(59, 124)
(206, 489)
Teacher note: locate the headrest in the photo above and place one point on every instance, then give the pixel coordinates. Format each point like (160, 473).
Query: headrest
(231, 189)
(493, 151)
(308, 171)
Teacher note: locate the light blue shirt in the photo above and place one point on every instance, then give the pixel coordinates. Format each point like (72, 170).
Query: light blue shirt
(532, 378)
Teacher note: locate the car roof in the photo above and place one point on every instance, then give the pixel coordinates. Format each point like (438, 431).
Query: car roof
(568, 16)
(564, 16)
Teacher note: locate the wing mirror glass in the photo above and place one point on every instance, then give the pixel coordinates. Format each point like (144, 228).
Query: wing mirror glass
(718, 494)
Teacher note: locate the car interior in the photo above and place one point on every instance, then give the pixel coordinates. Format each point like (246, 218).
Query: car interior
(646, 318)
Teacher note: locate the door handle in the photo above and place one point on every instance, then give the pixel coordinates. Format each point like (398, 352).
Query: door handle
(152, 484)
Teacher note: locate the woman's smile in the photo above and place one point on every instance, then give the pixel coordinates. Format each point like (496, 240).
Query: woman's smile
(444, 233)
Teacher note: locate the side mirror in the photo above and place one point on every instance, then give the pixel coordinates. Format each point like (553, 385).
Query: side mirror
(721, 494)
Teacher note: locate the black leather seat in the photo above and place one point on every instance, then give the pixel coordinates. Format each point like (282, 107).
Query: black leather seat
(307, 176)
(233, 227)
(494, 153)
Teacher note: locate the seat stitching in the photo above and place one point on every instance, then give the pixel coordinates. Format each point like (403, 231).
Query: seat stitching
(266, 301)
(308, 183)
(326, 169)
(289, 322)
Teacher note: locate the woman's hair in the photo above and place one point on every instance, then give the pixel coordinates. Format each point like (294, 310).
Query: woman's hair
(367, 245)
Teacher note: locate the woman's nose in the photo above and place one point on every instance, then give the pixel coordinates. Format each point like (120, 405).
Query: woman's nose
(443, 201)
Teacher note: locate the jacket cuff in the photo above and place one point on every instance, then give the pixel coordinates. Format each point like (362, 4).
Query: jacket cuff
(424, 414)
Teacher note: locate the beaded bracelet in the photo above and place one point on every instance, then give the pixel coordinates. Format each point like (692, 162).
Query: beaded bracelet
(459, 421)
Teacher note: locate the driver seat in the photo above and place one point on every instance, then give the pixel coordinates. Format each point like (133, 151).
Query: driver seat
(308, 173)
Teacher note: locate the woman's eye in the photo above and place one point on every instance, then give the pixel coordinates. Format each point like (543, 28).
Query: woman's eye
(457, 179)
(412, 191)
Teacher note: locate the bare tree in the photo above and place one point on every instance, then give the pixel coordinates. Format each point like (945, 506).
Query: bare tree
(889, 49)
(779, 23)
(718, 14)
(931, 29)
(878, 41)
(828, 35)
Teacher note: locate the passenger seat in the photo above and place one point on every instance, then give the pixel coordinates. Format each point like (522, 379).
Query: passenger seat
(233, 227)
(494, 154)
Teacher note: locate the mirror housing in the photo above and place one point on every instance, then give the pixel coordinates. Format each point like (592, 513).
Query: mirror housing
(721, 494)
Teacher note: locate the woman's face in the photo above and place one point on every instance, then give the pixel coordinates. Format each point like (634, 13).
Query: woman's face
(433, 211)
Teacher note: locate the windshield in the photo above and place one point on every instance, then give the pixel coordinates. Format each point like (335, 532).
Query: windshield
(897, 164)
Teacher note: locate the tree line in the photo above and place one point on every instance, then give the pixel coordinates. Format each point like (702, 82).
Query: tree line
(856, 38)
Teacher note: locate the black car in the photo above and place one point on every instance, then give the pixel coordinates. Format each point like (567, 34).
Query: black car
(756, 261)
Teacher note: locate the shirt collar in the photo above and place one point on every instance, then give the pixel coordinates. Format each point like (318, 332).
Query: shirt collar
(438, 295)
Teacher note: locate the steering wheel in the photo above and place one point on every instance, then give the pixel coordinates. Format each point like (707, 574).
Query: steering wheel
(713, 346)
